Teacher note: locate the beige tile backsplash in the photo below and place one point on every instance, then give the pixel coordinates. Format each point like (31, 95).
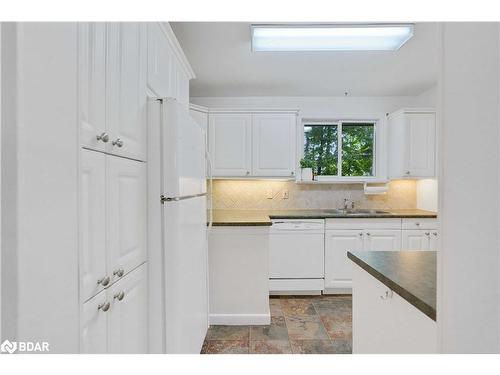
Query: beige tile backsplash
(253, 194)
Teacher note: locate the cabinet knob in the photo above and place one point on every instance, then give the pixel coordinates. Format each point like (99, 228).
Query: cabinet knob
(387, 295)
(427, 234)
(292, 173)
(361, 234)
(417, 224)
(117, 142)
(103, 137)
(368, 233)
(119, 296)
(248, 172)
(435, 233)
(119, 272)
(407, 173)
(104, 306)
(104, 281)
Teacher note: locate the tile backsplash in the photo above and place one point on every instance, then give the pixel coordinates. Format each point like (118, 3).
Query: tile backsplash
(269, 195)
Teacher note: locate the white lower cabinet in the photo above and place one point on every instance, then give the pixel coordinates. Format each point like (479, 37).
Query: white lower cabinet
(115, 320)
(419, 234)
(343, 235)
(385, 323)
(127, 324)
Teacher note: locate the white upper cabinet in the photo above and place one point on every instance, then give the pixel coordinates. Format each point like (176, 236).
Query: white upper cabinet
(126, 215)
(253, 144)
(126, 89)
(92, 84)
(160, 61)
(93, 224)
(230, 144)
(412, 143)
(273, 144)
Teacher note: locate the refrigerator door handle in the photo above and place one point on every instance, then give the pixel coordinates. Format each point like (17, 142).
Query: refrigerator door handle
(164, 198)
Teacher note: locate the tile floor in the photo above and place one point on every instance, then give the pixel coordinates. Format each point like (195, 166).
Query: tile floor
(299, 325)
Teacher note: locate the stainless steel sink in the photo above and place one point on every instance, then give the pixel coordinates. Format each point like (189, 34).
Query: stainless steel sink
(355, 212)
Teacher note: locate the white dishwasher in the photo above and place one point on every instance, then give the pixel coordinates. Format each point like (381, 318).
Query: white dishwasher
(297, 256)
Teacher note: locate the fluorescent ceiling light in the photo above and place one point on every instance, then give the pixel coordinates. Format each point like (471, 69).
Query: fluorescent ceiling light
(354, 37)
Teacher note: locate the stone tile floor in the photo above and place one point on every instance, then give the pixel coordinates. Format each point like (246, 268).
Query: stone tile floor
(299, 325)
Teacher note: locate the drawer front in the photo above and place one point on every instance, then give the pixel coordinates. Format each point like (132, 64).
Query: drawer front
(296, 256)
(420, 223)
(364, 223)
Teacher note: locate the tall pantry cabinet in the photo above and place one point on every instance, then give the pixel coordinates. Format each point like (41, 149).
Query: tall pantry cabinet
(120, 66)
(113, 187)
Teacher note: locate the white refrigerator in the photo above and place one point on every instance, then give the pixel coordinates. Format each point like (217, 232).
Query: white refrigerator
(183, 200)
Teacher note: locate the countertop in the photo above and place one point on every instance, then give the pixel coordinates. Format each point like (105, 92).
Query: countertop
(411, 274)
(264, 217)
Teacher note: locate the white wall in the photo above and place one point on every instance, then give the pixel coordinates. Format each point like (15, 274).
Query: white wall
(39, 195)
(468, 263)
(318, 107)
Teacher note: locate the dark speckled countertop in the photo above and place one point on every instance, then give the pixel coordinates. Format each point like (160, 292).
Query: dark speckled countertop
(264, 217)
(411, 274)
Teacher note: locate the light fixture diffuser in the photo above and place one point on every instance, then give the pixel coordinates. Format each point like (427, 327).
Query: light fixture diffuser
(355, 37)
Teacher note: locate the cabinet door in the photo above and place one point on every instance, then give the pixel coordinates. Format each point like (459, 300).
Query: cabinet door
(338, 268)
(127, 319)
(382, 240)
(421, 144)
(230, 144)
(434, 240)
(415, 240)
(126, 89)
(92, 84)
(94, 326)
(273, 145)
(160, 61)
(92, 223)
(126, 215)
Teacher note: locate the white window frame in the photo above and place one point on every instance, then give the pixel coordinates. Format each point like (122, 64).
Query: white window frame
(380, 146)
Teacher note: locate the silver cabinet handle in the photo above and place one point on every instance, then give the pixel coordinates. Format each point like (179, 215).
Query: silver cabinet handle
(417, 224)
(117, 142)
(368, 233)
(387, 295)
(104, 306)
(104, 281)
(427, 233)
(292, 173)
(119, 272)
(361, 234)
(119, 296)
(103, 137)
(248, 172)
(407, 173)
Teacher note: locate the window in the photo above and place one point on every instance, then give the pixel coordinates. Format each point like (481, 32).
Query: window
(341, 149)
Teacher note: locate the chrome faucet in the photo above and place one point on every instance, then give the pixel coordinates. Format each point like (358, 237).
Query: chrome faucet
(348, 202)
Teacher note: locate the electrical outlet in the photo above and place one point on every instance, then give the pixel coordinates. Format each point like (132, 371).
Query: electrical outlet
(285, 194)
(269, 193)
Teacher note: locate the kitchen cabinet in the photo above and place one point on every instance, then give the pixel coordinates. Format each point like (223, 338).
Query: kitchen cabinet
(412, 143)
(92, 222)
(115, 320)
(112, 217)
(112, 79)
(126, 89)
(230, 144)
(424, 239)
(128, 314)
(92, 84)
(126, 215)
(337, 266)
(382, 239)
(253, 144)
(385, 323)
(343, 235)
(273, 144)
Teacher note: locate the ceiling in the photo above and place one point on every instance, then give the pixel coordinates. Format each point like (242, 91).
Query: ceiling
(221, 57)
